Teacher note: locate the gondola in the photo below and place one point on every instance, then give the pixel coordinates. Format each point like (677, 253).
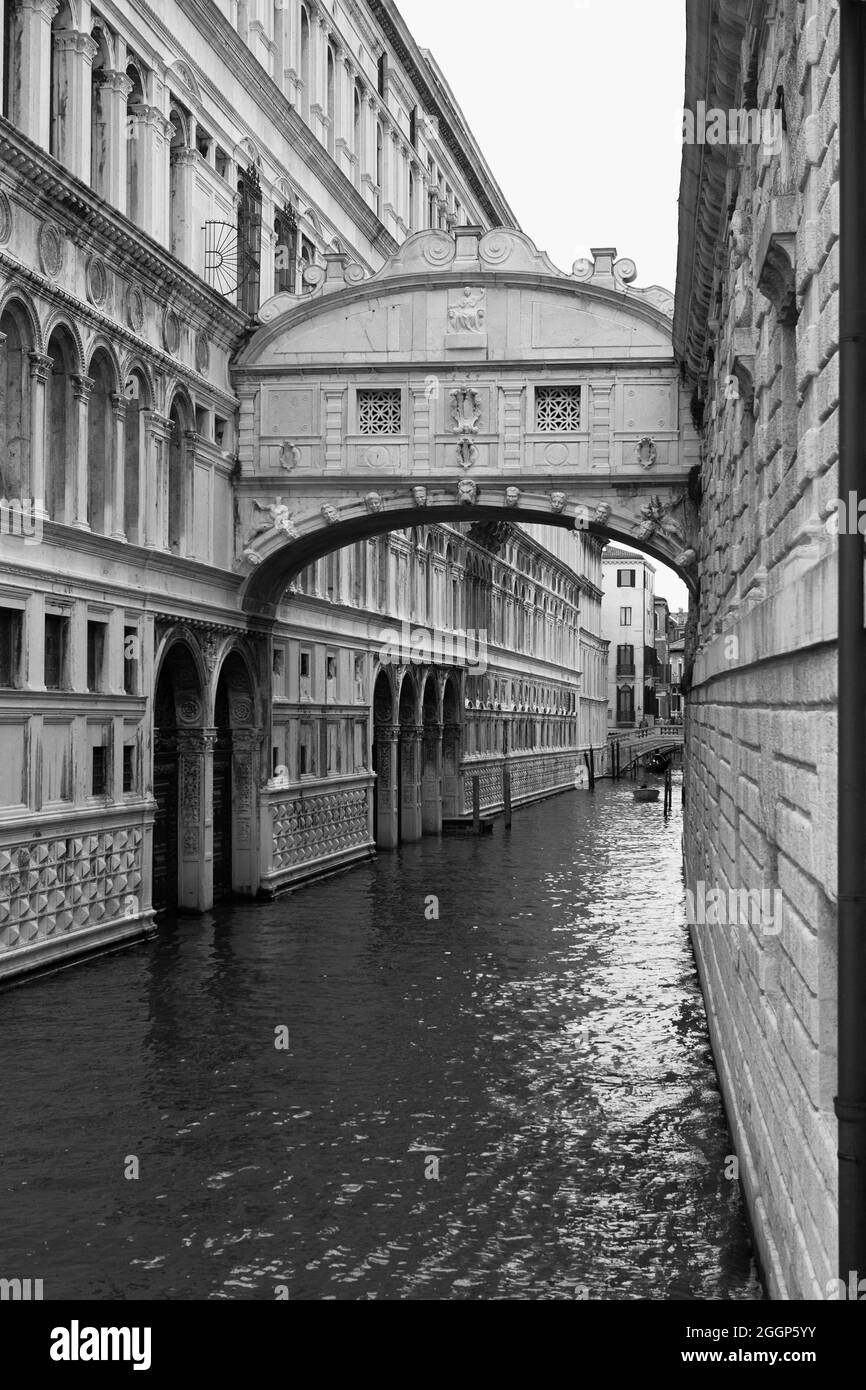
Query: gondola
(658, 763)
(646, 793)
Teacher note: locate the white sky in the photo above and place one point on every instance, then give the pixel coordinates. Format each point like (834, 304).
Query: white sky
(577, 106)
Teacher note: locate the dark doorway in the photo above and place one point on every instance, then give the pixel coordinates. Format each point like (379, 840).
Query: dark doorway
(165, 791)
(222, 796)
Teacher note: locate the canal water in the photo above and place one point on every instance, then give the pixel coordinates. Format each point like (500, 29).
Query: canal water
(342, 1095)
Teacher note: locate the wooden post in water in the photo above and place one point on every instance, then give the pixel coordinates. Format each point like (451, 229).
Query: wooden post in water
(590, 765)
(476, 805)
(669, 792)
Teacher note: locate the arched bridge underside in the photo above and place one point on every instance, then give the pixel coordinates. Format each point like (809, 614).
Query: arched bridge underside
(469, 379)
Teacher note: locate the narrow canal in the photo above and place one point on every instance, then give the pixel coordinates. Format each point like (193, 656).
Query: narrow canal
(515, 1100)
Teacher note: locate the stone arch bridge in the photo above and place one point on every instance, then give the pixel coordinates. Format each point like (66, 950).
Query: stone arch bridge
(468, 379)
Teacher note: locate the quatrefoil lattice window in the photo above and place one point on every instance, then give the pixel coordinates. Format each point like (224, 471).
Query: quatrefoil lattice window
(380, 412)
(557, 409)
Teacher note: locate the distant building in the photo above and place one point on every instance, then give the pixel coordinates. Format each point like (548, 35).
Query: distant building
(628, 624)
(663, 626)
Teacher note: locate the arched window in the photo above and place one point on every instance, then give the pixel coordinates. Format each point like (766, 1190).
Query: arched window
(181, 422)
(59, 427)
(134, 191)
(133, 459)
(330, 100)
(99, 441)
(305, 65)
(15, 405)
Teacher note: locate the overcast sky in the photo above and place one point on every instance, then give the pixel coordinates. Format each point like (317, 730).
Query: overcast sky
(577, 106)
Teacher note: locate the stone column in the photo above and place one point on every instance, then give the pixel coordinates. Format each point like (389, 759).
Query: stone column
(30, 99)
(117, 527)
(386, 769)
(40, 370)
(152, 481)
(183, 169)
(150, 140)
(70, 101)
(76, 509)
(451, 799)
(410, 781)
(318, 75)
(186, 539)
(245, 767)
(431, 782)
(195, 821)
(112, 90)
(368, 173)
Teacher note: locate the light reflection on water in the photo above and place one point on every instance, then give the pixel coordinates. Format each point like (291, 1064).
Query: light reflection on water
(543, 1041)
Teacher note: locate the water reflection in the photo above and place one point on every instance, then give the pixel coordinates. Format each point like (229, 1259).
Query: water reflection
(516, 1100)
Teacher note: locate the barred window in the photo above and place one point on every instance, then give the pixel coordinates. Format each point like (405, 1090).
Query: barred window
(380, 412)
(557, 409)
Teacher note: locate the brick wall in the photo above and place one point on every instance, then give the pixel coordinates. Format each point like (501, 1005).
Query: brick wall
(761, 725)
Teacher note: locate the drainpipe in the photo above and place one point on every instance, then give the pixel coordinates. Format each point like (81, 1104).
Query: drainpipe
(851, 1098)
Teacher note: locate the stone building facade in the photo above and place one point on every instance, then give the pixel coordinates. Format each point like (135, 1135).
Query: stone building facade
(628, 624)
(162, 174)
(756, 331)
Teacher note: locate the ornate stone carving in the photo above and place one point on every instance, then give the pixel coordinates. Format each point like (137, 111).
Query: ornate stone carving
(135, 308)
(96, 280)
(558, 501)
(290, 456)
(465, 409)
(280, 519)
(602, 513)
(5, 218)
(645, 451)
(252, 557)
(469, 315)
(51, 887)
(51, 249)
(512, 496)
(312, 827)
(170, 331)
(657, 518)
(419, 496)
(373, 502)
(467, 453)
(467, 492)
(202, 352)
(330, 514)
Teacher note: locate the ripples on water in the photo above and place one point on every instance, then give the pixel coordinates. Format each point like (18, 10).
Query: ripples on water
(544, 1040)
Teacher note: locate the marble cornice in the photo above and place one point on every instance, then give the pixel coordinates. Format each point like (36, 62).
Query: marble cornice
(54, 193)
